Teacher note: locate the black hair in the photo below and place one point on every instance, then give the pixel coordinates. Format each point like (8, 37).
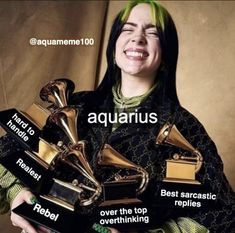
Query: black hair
(166, 75)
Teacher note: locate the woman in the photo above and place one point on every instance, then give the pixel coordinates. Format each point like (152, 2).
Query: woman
(142, 58)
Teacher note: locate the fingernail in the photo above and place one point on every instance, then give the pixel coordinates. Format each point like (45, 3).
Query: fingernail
(34, 200)
(107, 230)
(101, 229)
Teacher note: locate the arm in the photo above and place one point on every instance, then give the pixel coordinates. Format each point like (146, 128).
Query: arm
(10, 186)
(12, 191)
(211, 174)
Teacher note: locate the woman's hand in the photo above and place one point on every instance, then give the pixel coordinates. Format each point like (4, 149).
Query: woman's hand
(112, 230)
(25, 196)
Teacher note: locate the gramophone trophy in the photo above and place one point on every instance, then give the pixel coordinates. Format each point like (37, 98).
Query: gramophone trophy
(66, 118)
(75, 157)
(132, 185)
(180, 184)
(180, 169)
(121, 191)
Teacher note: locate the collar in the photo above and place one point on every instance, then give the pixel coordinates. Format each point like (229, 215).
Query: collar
(123, 102)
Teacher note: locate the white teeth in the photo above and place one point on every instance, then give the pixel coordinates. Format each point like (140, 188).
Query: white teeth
(134, 54)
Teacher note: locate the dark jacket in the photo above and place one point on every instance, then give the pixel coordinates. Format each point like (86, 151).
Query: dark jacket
(137, 142)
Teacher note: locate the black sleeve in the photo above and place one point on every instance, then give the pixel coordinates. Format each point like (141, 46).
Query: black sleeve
(211, 174)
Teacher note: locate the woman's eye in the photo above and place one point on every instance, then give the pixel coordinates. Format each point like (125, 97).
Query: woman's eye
(127, 30)
(153, 34)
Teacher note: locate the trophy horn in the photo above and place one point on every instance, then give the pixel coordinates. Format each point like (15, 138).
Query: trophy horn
(75, 157)
(108, 156)
(66, 119)
(169, 134)
(57, 92)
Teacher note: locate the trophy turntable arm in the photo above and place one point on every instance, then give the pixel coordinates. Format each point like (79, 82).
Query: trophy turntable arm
(76, 160)
(143, 176)
(64, 194)
(197, 158)
(108, 156)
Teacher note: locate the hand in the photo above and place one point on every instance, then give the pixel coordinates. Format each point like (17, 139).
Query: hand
(25, 196)
(113, 230)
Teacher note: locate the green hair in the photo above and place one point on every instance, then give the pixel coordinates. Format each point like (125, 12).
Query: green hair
(159, 14)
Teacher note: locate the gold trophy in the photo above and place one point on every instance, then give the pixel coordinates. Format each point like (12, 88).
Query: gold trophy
(180, 169)
(74, 156)
(109, 157)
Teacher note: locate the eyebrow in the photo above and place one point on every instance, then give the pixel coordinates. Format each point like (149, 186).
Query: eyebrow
(135, 25)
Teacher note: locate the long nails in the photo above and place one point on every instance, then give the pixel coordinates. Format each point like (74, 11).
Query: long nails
(99, 228)
(34, 200)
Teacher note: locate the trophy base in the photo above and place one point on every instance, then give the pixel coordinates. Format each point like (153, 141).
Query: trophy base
(119, 189)
(28, 170)
(126, 217)
(53, 216)
(175, 195)
(183, 181)
(119, 192)
(121, 209)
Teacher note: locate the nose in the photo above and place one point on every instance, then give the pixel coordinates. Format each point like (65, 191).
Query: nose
(139, 38)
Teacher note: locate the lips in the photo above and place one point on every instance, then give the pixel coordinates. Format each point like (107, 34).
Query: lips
(136, 54)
